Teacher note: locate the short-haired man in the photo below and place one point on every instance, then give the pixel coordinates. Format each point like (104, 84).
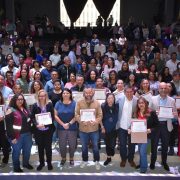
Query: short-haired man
(127, 106)
(164, 128)
(88, 130)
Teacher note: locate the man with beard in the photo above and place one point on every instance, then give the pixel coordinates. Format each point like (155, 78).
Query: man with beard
(88, 129)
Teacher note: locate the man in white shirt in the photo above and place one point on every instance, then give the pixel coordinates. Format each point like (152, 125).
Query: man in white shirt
(127, 107)
(55, 57)
(16, 55)
(72, 55)
(100, 47)
(87, 45)
(172, 63)
(9, 67)
(111, 52)
(173, 47)
(119, 62)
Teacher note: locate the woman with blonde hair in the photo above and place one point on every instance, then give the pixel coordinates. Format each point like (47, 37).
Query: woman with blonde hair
(43, 133)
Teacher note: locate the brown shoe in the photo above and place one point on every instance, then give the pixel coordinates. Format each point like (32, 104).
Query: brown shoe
(123, 164)
(132, 164)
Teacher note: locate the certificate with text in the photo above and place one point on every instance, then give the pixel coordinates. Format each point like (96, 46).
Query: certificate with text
(77, 96)
(147, 96)
(30, 99)
(177, 102)
(2, 110)
(87, 115)
(138, 126)
(44, 118)
(100, 94)
(166, 112)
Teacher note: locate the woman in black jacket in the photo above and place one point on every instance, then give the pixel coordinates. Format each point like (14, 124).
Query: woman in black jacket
(110, 117)
(43, 133)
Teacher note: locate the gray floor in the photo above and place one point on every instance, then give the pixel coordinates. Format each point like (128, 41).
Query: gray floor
(112, 168)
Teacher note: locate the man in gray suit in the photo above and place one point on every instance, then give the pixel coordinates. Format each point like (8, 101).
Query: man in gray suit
(164, 128)
(127, 106)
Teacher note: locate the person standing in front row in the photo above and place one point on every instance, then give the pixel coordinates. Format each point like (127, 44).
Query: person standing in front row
(110, 116)
(165, 125)
(43, 133)
(18, 126)
(127, 107)
(67, 127)
(89, 130)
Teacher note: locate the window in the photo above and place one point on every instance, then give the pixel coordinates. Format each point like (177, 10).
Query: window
(88, 15)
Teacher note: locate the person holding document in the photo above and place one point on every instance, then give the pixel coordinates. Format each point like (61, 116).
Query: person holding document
(166, 110)
(88, 113)
(151, 120)
(67, 127)
(44, 127)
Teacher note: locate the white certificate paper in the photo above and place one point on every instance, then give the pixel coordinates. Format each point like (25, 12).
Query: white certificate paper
(100, 94)
(77, 96)
(165, 112)
(2, 109)
(44, 118)
(139, 126)
(147, 96)
(87, 115)
(177, 103)
(30, 99)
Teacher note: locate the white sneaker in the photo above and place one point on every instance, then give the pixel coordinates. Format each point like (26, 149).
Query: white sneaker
(97, 165)
(83, 164)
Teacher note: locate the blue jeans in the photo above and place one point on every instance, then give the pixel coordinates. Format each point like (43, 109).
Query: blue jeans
(25, 143)
(125, 139)
(143, 156)
(85, 138)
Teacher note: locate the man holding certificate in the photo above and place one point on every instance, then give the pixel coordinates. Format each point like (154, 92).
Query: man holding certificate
(165, 107)
(88, 113)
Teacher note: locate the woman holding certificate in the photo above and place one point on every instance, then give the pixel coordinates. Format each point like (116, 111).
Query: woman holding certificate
(110, 117)
(43, 116)
(18, 127)
(151, 120)
(67, 128)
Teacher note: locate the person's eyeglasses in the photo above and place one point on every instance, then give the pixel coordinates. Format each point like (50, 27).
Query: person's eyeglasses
(20, 99)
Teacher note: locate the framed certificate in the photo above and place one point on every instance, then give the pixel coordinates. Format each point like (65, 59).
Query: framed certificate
(166, 112)
(77, 96)
(177, 102)
(2, 110)
(100, 94)
(138, 131)
(44, 118)
(87, 115)
(30, 99)
(147, 96)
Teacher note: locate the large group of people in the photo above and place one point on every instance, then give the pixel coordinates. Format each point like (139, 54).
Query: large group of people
(137, 79)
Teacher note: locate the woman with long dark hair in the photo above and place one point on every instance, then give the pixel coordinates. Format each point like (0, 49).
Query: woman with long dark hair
(67, 127)
(110, 116)
(18, 125)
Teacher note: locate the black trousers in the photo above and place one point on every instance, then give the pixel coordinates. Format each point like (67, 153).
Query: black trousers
(173, 135)
(44, 143)
(161, 132)
(4, 144)
(110, 141)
